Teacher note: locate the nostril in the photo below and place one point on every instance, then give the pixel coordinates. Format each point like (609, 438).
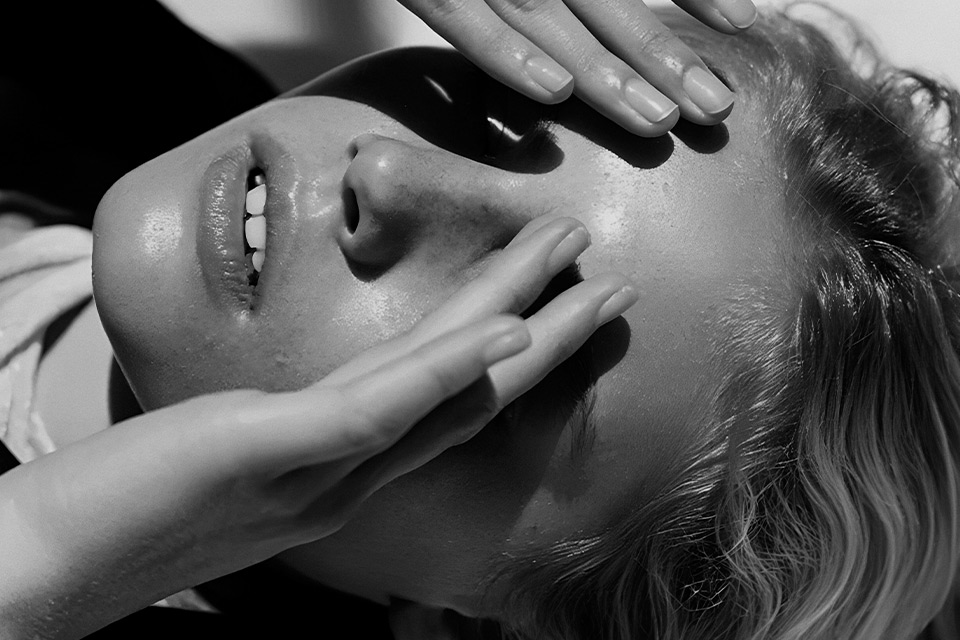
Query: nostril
(361, 141)
(351, 210)
(353, 149)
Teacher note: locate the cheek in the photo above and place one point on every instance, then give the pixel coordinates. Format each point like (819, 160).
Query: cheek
(368, 314)
(141, 246)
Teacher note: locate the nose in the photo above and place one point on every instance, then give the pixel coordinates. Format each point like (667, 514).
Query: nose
(402, 199)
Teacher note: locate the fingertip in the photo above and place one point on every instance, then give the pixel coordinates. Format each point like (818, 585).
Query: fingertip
(741, 14)
(552, 82)
(646, 129)
(618, 302)
(697, 116)
(540, 225)
(712, 99)
(655, 113)
(505, 336)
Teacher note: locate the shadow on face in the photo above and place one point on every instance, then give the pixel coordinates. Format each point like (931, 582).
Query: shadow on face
(451, 103)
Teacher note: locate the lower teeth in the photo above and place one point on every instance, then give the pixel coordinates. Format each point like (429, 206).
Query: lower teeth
(253, 275)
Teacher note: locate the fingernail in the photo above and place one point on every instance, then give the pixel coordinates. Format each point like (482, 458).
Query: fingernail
(617, 303)
(706, 91)
(739, 13)
(647, 101)
(569, 248)
(547, 73)
(509, 342)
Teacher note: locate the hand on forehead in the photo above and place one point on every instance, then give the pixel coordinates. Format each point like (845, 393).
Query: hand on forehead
(616, 55)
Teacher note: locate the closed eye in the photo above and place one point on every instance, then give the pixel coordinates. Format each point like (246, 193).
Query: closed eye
(452, 104)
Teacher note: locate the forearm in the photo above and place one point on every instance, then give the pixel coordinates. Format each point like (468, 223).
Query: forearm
(83, 545)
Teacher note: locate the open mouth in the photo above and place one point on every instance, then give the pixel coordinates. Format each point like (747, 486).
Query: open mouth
(255, 225)
(245, 196)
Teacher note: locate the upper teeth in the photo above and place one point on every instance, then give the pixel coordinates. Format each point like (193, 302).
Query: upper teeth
(256, 229)
(255, 225)
(256, 200)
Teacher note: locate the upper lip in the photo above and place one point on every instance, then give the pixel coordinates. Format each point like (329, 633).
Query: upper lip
(220, 220)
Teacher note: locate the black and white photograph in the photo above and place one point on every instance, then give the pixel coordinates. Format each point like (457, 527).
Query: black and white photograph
(480, 320)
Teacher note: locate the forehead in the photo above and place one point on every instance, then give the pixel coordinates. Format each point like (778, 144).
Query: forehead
(693, 219)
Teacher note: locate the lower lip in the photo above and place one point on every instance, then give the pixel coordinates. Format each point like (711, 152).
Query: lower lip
(220, 228)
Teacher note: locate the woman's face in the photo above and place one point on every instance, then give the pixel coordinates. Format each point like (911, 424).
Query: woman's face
(364, 239)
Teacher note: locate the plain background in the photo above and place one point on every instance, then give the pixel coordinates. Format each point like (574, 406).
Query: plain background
(291, 41)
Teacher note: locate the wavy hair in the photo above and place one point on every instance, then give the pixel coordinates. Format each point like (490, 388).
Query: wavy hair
(821, 500)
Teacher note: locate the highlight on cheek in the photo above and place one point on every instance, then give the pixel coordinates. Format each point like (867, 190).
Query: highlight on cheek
(373, 311)
(161, 231)
(617, 211)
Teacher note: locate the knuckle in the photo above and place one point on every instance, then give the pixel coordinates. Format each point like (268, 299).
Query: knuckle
(441, 380)
(503, 32)
(601, 67)
(368, 432)
(655, 42)
(527, 6)
(360, 428)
